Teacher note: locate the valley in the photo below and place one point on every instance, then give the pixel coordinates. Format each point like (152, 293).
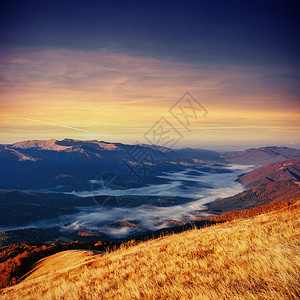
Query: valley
(78, 195)
(59, 201)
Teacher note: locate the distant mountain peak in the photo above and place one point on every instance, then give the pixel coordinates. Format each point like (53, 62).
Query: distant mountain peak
(78, 143)
(40, 144)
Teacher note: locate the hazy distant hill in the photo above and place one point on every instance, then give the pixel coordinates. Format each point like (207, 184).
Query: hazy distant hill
(203, 154)
(285, 170)
(262, 156)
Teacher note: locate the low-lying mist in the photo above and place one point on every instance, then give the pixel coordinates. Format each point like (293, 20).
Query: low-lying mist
(201, 187)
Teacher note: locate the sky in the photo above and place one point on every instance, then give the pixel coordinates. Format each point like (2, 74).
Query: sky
(118, 70)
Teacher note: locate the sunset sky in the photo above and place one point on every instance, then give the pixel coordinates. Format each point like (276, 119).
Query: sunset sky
(109, 70)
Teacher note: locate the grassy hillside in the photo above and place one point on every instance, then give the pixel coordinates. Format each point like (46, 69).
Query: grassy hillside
(254, 258)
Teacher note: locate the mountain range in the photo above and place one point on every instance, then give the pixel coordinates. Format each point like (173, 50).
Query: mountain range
(69, 165)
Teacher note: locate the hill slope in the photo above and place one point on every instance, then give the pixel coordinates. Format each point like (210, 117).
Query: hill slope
(271, 192)
(286, 170)
(252, 258)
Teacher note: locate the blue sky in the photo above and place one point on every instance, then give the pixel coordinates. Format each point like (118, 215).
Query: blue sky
(221, 31)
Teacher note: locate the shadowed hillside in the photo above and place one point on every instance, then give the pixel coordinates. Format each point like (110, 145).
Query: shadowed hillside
(252, 258)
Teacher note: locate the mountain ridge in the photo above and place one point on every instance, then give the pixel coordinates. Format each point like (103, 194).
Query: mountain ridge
(46, 164)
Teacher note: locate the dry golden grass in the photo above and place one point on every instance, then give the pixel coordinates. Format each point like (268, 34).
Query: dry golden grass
(256, 258)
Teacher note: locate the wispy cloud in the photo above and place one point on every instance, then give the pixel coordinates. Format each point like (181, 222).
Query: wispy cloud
(100, 92)
(56, 124)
